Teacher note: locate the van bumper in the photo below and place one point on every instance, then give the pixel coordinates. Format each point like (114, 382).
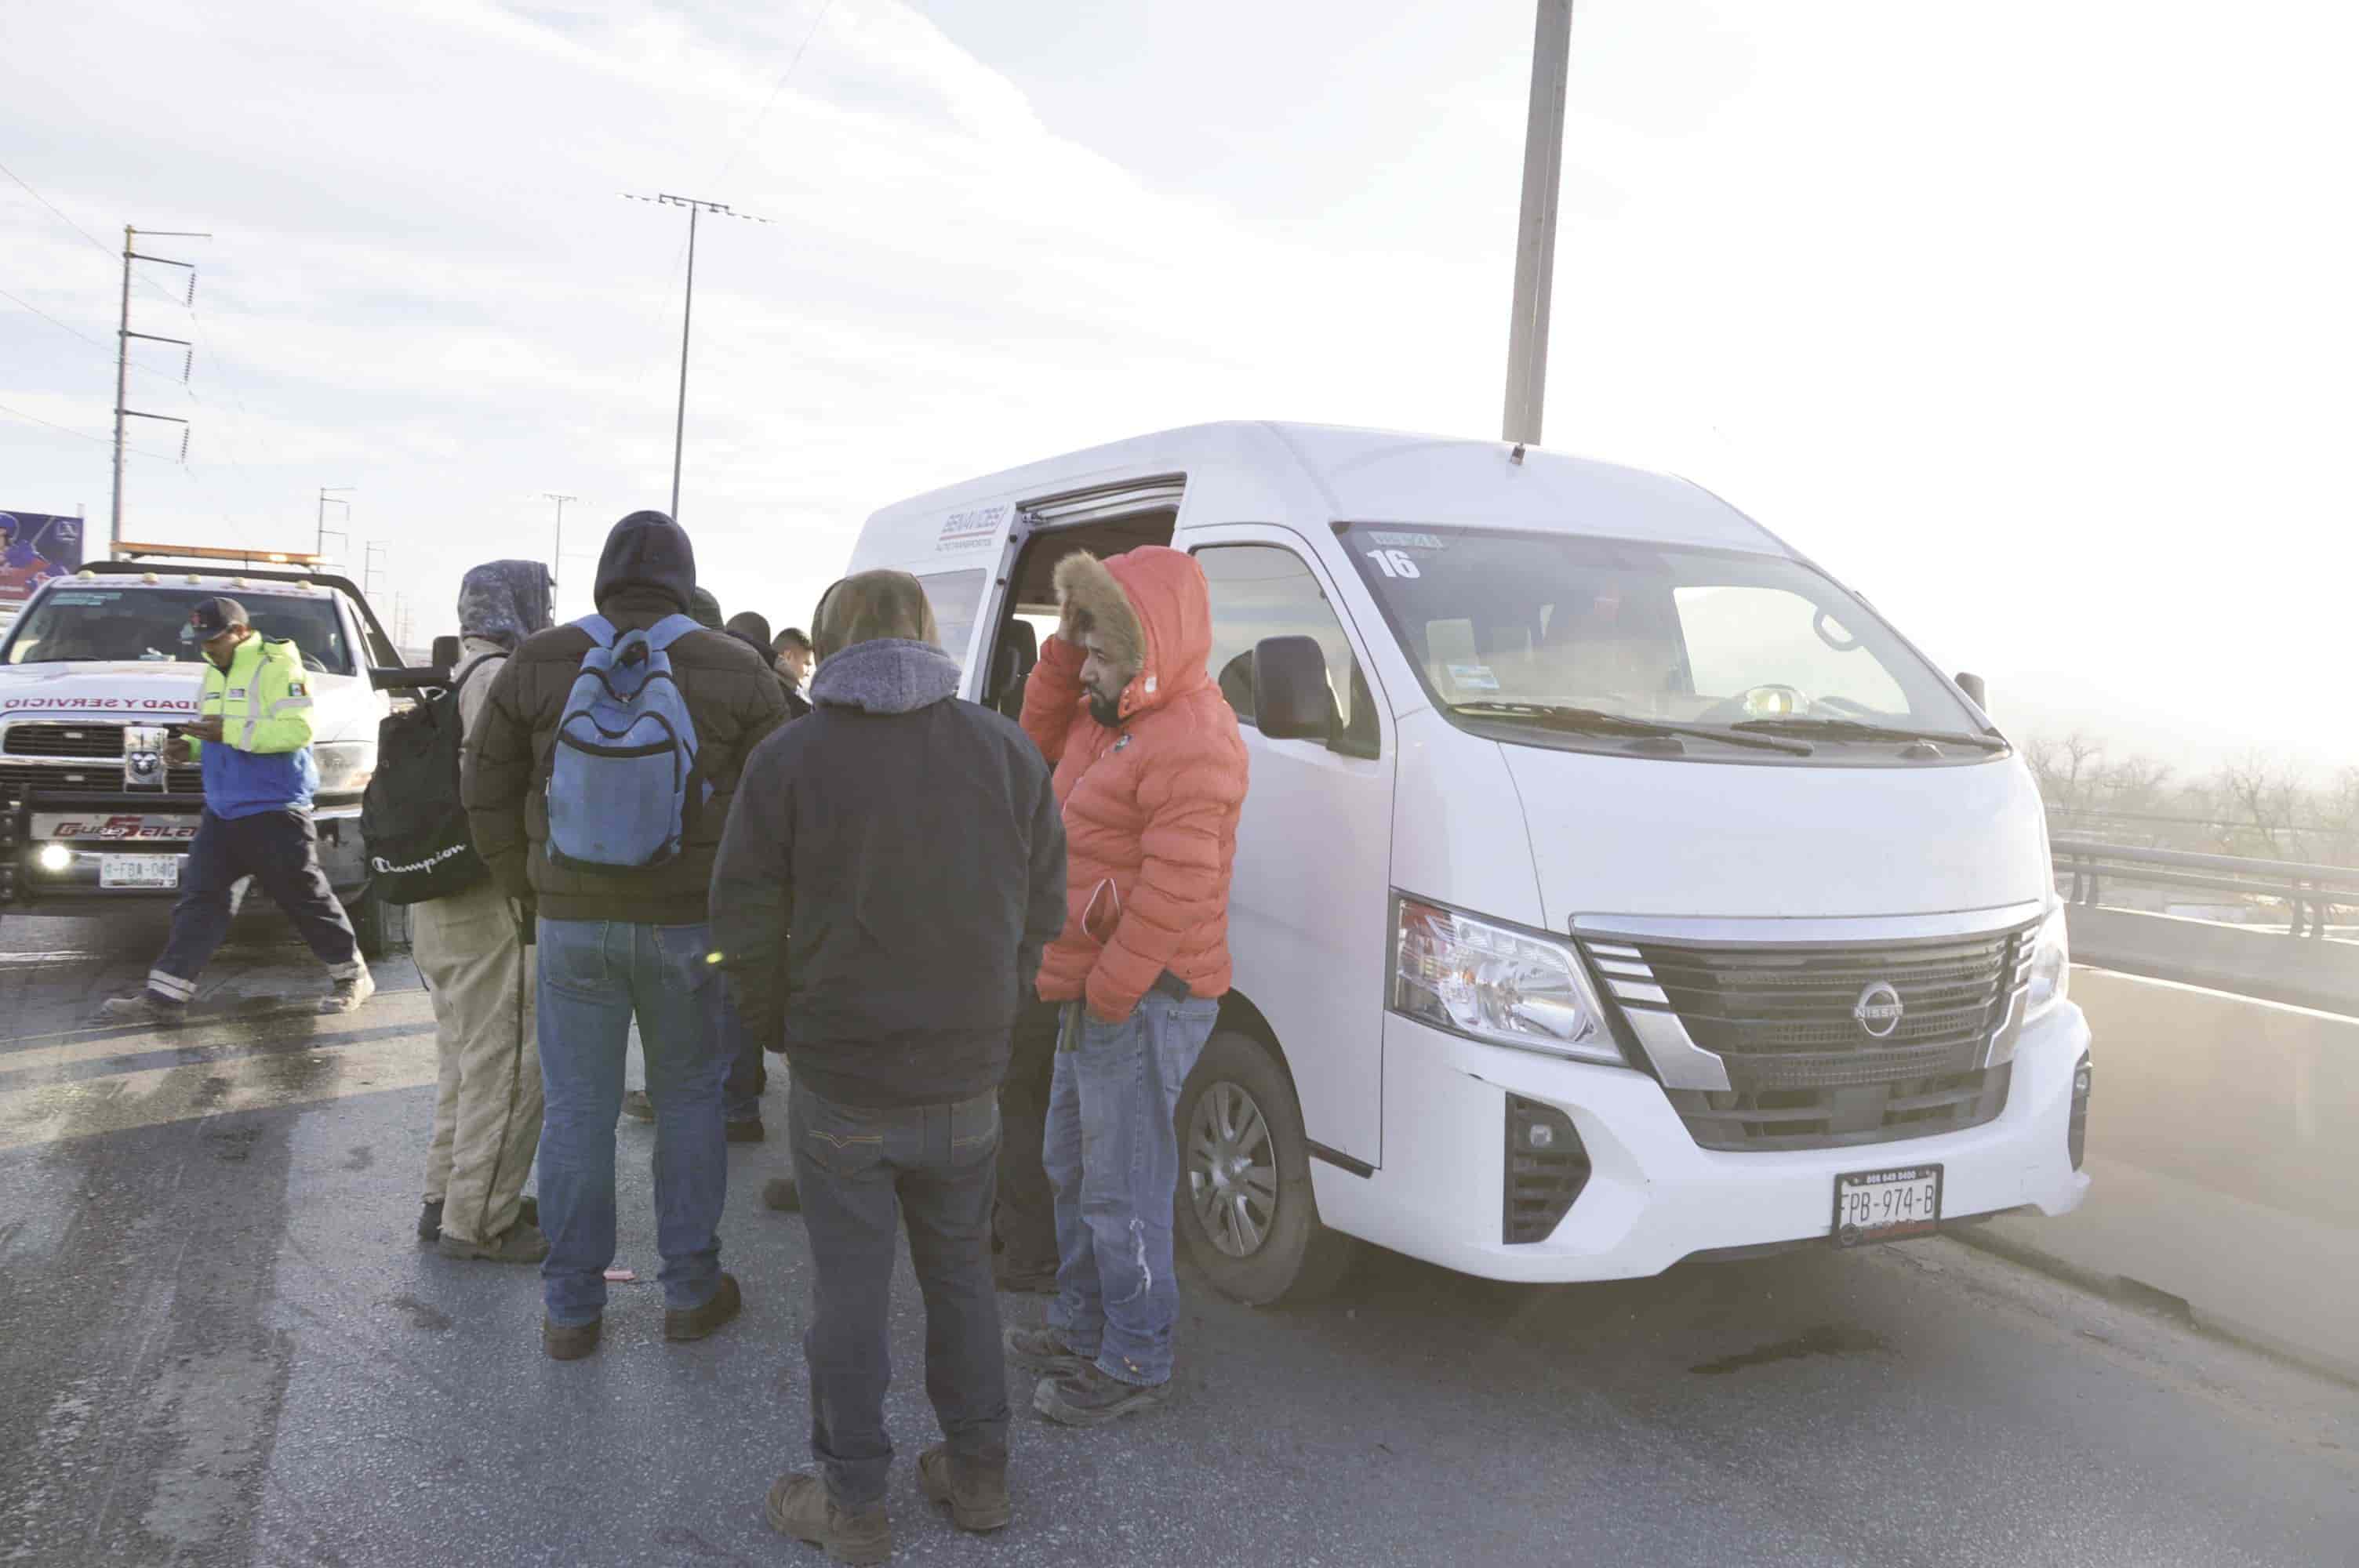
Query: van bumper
(1653, 1197)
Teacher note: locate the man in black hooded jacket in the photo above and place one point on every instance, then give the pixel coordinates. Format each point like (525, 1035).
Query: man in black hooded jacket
(623, 944)
(894, 865)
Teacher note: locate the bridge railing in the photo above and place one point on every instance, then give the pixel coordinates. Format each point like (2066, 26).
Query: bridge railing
(2310, 892)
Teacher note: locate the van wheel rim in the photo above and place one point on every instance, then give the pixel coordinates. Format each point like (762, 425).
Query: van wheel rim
(1232, 1170)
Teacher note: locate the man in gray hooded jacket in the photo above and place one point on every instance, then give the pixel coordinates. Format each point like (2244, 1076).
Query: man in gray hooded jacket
(470, 951)
(892, 867)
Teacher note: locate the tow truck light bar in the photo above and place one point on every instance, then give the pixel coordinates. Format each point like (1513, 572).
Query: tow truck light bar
(128, 551)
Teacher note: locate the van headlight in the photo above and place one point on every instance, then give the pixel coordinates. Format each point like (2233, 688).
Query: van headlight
(2051, 966)
(1495, 983)
(345, 766)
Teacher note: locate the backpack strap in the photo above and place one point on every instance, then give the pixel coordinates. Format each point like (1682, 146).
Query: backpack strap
(601, 629)
(670, 630)
(467, 671)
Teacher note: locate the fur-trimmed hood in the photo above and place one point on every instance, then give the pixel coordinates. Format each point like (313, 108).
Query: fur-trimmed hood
(1151, 604)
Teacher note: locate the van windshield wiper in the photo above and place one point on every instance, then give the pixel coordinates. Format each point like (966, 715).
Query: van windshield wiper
(1853, 730)
(1598, 721)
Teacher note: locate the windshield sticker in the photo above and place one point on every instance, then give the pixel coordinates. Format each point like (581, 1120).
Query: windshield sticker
(1406, 541)
(1472, 677)
(964, 530)
(80, 596)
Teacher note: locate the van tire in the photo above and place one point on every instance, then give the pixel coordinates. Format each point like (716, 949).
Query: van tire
(1297, 1258)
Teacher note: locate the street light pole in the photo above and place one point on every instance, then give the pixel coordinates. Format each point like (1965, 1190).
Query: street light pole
(1528, 328)
(556, 546)
(695, 206)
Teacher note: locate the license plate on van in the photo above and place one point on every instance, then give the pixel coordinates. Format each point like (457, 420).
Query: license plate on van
(139, 870)
(1888, 1206)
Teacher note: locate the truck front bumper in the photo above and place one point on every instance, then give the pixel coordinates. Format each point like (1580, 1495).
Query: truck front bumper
(53, 850)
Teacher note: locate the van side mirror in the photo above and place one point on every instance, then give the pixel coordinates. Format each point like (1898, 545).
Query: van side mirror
(1291, 700)
(445, 653)
(1973, 686)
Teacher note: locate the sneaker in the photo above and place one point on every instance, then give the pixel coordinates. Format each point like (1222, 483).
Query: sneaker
(781, 1193)
(638, 1107)
(1024, 1281)
(977, 1493)
(742, 1132)
(799, 1505)
(146, 1007)
(1090, 1398)
(351, 993)
(430, 1220)
(566, 1343)
(1042, 1350)
(695, 1323)
(519, 1243)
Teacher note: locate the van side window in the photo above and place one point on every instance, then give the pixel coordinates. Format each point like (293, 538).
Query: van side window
(1266, 590)
(956, 597)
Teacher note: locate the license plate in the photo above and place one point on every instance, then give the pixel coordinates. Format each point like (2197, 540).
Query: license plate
(1888, 1206)
(139, 870)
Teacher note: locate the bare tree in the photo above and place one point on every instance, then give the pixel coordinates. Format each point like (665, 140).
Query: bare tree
(2066, 769)
(2260, 793)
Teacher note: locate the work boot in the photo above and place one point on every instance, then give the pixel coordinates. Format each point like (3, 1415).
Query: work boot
(570, 1343)
(781, 1193)
(976, 1492)
(430, 1220)
(519, 1243)
(1042, 1350)
(695, 1323)
(742, 1132)
(638, 1107)
(1090, 1398)
(147, 1008)
(799, 1505)
(350, 993)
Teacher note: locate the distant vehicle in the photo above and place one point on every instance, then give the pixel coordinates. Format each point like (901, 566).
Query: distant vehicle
(94, 677)
(1615, 886)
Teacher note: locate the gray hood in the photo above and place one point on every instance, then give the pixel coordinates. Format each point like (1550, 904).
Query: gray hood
(504, 601)
(886, 675)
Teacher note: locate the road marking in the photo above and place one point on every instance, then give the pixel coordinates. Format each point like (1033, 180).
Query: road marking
(99, 1043)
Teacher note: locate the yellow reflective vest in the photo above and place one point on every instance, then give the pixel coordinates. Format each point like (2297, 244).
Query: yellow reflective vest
(263, 701)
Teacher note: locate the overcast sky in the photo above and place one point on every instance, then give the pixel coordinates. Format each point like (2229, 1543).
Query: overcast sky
(2034, 321)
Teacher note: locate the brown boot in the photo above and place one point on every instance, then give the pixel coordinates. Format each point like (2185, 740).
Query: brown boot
(976, 1492)
(565, 1343)
(695, 1323)
(799, 1505)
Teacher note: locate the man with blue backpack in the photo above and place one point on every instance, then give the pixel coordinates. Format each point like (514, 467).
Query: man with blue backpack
(597, 782)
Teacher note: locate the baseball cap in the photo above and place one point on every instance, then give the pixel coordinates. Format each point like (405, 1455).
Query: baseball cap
(208, 617)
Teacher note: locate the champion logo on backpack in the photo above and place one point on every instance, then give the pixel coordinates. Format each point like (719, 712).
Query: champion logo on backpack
(413, 828)
(623, 776)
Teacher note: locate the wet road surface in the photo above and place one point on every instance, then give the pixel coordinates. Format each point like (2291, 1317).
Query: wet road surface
(220, 1343)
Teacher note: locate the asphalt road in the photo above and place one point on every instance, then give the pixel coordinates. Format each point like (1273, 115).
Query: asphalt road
(220, 1343)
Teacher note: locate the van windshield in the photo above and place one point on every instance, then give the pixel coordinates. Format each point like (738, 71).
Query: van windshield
(106, 623)
(1590, 642)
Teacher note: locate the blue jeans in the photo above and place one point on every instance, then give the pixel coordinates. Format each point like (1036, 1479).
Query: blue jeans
(866, 1173)
(1113, 1155)
(595, 975)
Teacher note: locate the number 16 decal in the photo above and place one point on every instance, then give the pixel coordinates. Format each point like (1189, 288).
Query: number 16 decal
(1395, 563)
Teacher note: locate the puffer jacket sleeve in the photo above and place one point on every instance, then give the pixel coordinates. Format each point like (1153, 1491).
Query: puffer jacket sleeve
(752, 898)
(496, 773)
(1052, 694)
(1190, 802)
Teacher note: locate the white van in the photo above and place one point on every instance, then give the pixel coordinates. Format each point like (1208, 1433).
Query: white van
(1615, 887)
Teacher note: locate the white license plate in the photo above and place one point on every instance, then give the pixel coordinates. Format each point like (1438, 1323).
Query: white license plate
(139, 870)
(1888, 1206)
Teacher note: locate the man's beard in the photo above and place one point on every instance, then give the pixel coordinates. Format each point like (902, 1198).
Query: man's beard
(1106, 713)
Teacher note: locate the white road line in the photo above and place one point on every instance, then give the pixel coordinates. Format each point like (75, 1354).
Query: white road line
(29, 1054)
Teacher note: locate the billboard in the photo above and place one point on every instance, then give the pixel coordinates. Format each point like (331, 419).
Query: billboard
(34, 546)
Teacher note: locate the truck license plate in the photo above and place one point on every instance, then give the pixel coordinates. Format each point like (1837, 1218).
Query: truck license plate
(1888, 1206)
(139, 870)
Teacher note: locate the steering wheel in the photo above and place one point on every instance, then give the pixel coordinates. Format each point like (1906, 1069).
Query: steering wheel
(1740, 706)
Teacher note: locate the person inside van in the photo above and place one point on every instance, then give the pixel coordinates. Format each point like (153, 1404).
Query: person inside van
(1151, 777)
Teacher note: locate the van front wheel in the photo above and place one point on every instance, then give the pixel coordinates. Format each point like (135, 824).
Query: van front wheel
(1245, 1201)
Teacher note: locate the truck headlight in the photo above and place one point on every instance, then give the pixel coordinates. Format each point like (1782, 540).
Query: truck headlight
(345, 766)
(1495, 983)
(2051, 966)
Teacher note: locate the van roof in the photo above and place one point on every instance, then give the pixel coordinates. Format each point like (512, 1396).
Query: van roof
(1248, 470)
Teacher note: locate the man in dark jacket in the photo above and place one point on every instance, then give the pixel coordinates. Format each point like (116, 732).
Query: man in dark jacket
(616, 943)
(892, 868)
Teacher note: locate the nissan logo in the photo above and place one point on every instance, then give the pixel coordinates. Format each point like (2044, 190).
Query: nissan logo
(1878, 1009)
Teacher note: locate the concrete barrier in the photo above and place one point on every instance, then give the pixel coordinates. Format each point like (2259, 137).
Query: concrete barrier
(2223, 1149)
(2320, 972)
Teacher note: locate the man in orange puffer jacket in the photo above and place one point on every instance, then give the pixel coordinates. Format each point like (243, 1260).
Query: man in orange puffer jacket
(1150, 773)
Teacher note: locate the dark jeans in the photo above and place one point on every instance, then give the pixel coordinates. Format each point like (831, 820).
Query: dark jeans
(1026, 1220)
(741, 1092)
(930, 1167)
(280, 851)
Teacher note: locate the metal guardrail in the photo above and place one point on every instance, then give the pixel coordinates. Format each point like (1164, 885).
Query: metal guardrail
(2310, 892)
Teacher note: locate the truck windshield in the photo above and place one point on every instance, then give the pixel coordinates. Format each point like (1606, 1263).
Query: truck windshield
(106, 623)
(1593, 641)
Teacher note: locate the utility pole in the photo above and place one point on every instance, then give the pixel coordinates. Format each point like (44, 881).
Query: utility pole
(368, 567)
(1528, 328)
(688, 304)
(557, 546)
(329, 497)
(123, 336)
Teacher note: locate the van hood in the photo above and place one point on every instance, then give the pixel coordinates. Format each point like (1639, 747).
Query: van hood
(1643, 836)
(136, 689)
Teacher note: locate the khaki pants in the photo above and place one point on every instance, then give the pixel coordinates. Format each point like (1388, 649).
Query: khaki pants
(470, 953)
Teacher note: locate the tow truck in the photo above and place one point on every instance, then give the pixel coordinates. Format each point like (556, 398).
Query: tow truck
(94, 679)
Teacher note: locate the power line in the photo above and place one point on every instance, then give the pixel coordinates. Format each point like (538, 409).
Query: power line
(776, 88)
(81, 435)
(93, 342)
(105, 250)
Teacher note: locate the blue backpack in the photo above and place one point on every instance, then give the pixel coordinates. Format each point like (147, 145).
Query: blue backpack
(621, 777)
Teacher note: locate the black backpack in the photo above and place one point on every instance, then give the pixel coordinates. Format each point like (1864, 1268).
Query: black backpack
(412, 827)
